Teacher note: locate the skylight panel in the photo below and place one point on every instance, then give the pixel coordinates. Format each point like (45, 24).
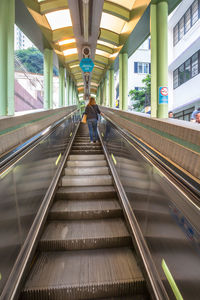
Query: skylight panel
(125, 3)
(65, 42)
(106, 44)
(103, 53)
(59, 19)
(112, 23)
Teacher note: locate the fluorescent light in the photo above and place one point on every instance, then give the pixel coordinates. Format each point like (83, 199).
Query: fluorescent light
(70, 51)
(106, 44)
(93, 95)
(74, 66)
(59, 19)
(103, 53)
(114, 54)
(98, 67)
(65, 42)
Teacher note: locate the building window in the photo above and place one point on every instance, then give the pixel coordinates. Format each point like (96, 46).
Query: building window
(141, 67)
(187, 70)
(187, 21)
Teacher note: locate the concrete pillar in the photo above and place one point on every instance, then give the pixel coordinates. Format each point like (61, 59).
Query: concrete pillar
(48, 78)
(159, 59)
(61, 87)
(7, 21)
(111, 88)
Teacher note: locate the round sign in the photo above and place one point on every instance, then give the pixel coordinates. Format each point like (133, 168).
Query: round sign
(164, 91)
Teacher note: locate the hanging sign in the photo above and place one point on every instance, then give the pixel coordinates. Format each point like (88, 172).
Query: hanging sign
(86, 65)
(163, 95)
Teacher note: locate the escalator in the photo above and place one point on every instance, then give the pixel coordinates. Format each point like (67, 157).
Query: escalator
(85, 250)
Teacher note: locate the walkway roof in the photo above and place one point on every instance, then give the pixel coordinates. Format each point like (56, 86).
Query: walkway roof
(107, 27)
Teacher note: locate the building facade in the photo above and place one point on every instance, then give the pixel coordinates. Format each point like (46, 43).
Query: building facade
(184, 59)
(21, 40)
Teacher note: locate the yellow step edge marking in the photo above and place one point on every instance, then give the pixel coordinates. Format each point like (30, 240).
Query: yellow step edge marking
(59, 157)
(171, 281)
(113, 158)
(71, 134)
(102, 134)
(0, 276)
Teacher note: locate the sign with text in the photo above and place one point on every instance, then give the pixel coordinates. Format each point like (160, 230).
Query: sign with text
(163, 95)
(86, 65)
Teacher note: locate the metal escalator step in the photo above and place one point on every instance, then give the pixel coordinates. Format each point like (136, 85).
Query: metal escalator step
(86, 146)
(86, 192)
(86, 157)
(85, 274)
(85, 209)
(86, 163)
(135, 297)
(87, 171)
(84, 234)
(86, 151)
(86, 180)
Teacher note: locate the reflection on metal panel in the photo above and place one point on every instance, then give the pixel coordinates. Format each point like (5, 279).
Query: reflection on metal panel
(169, 222)
(22, 188)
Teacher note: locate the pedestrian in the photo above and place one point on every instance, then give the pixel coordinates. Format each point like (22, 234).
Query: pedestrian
(92, 111)
(170, 114)
(198, 117)
(193, 116)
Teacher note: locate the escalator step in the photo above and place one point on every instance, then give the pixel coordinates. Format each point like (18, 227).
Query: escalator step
(84, 234)
(86, 163)
(85, 209)
(86, 151)
(90, 180)
(87, 171)
(86, 157)
(86, 192)
(85, 274)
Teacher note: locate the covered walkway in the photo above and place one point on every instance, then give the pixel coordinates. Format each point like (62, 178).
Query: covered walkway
(118, 219)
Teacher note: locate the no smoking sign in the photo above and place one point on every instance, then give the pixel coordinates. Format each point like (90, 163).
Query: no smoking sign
(163, 95)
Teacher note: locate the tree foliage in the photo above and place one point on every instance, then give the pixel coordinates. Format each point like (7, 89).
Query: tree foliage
(33, 60)
(139, 96)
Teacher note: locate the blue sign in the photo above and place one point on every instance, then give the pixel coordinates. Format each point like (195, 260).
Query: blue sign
(86, 65)
(163, 95)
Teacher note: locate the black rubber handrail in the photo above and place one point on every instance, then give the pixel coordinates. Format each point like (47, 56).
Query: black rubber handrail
(154, 282)
(186, 183)
(9, 158)
(15, 281)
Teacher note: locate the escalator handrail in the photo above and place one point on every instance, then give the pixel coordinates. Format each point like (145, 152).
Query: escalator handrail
(10, 158)
(153, 279)
(190, 186)
(15, 281)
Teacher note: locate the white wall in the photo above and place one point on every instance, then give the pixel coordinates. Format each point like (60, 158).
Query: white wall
(187, 92)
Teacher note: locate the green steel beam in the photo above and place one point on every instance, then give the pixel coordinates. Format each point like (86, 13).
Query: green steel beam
(109, 36)
(48, 78)
(7, 21)
(120, 81)
(67, 90)
(116, 10)
(125, 81)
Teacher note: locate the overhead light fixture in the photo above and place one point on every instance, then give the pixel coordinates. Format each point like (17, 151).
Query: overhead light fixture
(98, 67)
(106, 44)
(102, 53)
(93, 95)
(59, 19)
(74, 66)
(65, 42)
(70, 51)
(114, 54)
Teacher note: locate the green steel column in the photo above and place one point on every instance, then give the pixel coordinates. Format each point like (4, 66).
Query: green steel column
(162, 54)
(61, 87)
(120, 81)
(125, 81)
(48, 78)
(153, 30)
(111, 88)
(106, 90)
(7, 21)
(67, 90)
(70, 88)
